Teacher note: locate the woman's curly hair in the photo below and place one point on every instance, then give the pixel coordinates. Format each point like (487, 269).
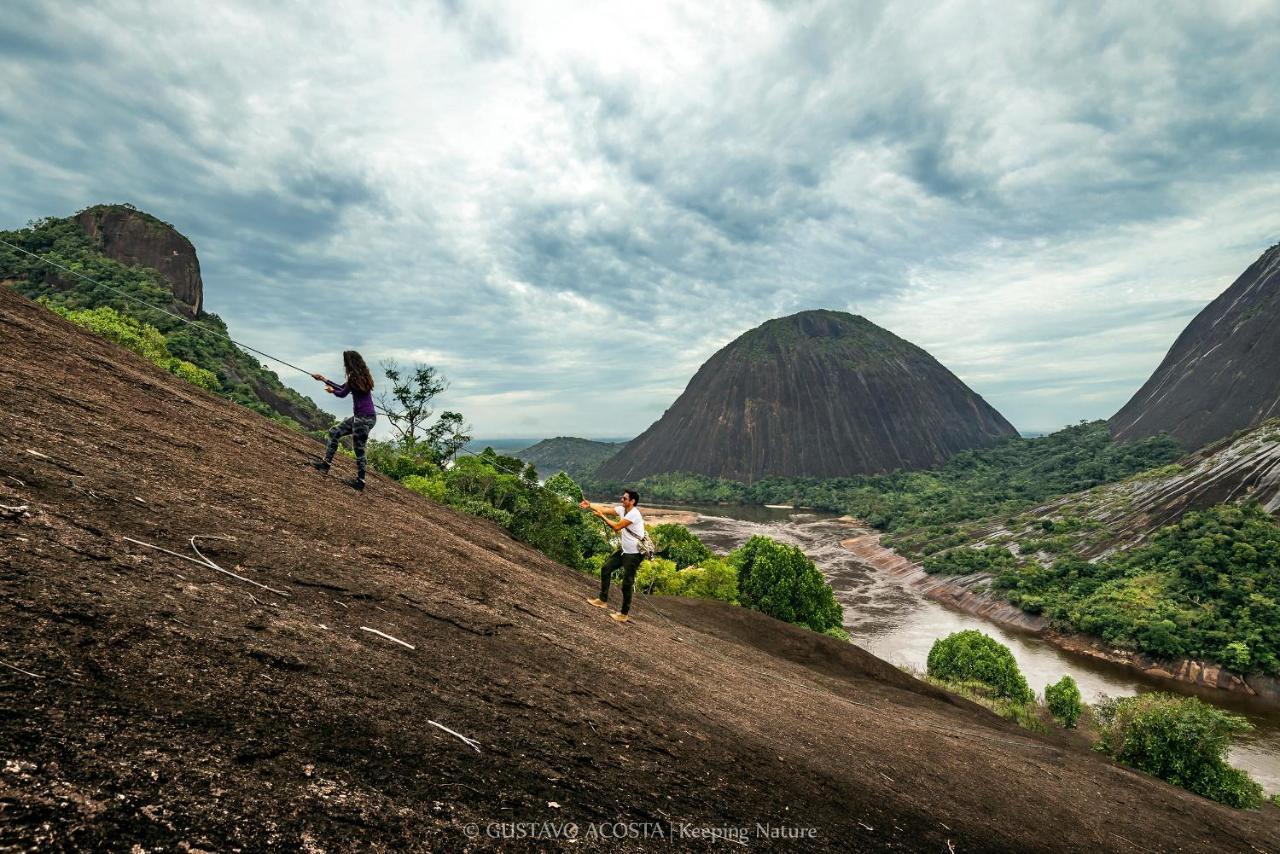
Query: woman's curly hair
(358, 376)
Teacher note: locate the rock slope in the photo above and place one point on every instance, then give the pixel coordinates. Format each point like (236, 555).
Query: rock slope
(816, 394)
(1221, 374)
(149, 702)
(134, 238)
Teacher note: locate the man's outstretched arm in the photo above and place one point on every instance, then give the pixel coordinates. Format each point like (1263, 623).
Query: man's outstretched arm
(604, 511)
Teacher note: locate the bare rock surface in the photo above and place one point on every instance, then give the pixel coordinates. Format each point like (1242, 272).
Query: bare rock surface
(151, 703)
(816, 394)
(1220, 375)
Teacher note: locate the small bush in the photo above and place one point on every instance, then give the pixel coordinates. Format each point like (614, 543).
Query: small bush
(1024, 714)
(971, 656)
(781, 581)
(432, 487)
(657, 576)
(398, 461)
(1179, 739)
(193, 374)
(714, 579)
(679, 544)
(1063, 700)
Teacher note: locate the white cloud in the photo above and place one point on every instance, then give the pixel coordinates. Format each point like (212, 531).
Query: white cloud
(567, 207)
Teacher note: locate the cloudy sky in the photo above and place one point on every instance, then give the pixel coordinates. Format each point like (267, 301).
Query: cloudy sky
(567, 207)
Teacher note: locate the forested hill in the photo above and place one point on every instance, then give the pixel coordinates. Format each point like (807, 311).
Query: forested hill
(576, 457)
(151, 261)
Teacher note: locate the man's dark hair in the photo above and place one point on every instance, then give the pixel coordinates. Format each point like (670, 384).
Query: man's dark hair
(632, 494)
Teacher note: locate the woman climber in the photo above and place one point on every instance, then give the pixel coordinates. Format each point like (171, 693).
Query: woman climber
(359, 385)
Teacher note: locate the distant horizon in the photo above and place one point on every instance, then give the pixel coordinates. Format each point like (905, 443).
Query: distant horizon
(532, 440)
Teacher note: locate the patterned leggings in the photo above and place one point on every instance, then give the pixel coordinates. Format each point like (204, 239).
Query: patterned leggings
(357, 427)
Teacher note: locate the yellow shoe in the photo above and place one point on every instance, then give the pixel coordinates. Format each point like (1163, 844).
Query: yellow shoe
(597, 603)
(621, 618)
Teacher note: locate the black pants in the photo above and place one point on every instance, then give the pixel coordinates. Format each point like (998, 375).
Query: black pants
(357, 427)
(629, 564)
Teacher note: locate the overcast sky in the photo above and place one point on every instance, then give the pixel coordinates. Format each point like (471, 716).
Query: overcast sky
(567, 207)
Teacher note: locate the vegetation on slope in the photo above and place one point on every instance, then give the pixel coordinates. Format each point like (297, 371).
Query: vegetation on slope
(1178, 739)
(1207, 587)
(141, 338)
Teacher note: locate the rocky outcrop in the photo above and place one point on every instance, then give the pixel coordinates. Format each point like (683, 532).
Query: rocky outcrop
(1220, 375)
(134, 238)
(969, 593)
(816, 394)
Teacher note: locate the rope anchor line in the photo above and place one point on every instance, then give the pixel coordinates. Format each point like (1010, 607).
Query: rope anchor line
(204, 561)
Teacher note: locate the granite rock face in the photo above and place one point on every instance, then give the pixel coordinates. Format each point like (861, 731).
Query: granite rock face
(816, 394)
(1221, 374)
(134, 238)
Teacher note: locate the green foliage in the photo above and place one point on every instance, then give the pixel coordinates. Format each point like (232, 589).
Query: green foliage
(434, 488)
(140, 338)
(971, 656)
(227, 370)
(407, 406)
(781, 581)
(561, 484)
(399, 462)
(1063, 700)
(658, 576)
(507, 491)
(1179, 739)
(1002, 480)
(1207, 587)
(962, 561)
(207, 380)
(679, 544)
(1023, 713)
(714, 578)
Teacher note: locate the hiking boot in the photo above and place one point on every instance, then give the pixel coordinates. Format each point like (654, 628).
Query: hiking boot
(321, 466)
(357, 484)
(598, 603)
(621, 618)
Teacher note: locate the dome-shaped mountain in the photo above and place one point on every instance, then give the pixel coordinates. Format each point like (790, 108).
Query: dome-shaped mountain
(1221, 374)
(820, 394)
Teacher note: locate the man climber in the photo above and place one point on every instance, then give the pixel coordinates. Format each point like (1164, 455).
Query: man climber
(630, 526)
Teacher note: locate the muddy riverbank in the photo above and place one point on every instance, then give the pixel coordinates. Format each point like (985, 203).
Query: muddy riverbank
(969, 593)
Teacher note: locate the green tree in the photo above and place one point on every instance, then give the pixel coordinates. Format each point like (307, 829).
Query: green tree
(407, 406)
(1179, 739)
(561, 484)
(781, 581)
(1063, 700)
(679, 544)
(971, 656)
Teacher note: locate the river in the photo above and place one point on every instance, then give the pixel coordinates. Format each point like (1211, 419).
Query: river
(898, 624)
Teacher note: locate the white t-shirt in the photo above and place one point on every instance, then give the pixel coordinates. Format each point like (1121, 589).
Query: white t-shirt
(632, 533)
